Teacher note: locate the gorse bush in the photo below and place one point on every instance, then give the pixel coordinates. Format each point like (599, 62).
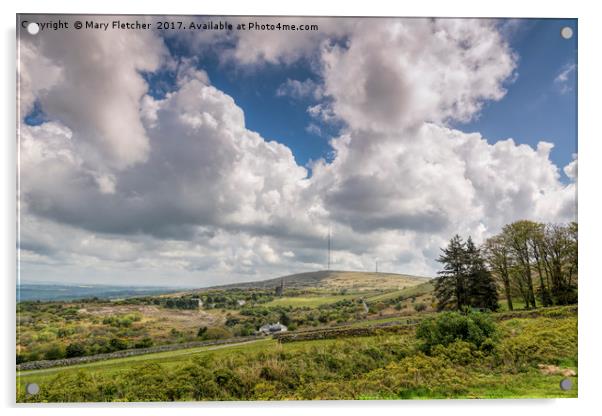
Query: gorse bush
(475, 328)
(542, 341)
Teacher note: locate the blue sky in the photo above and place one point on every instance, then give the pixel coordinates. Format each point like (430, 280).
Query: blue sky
(279, 118)
(535, 107)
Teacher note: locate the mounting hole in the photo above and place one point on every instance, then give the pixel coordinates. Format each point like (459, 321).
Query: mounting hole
(566, 32)
(566, 384)
(33, 28)
(32, 388)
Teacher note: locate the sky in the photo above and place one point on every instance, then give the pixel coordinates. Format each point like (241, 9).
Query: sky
(194, 158)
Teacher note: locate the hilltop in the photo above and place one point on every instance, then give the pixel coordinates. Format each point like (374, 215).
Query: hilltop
(334, 280)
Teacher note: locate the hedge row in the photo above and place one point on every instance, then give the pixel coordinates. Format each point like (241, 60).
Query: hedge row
(36, 365)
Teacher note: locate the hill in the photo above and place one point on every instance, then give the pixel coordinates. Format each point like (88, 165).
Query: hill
(333, 280)
(65, 292)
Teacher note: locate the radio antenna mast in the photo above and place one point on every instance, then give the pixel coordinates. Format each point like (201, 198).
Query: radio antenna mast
(329, 237)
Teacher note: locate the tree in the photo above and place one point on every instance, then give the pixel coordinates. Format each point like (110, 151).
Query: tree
(202, 331)
(482, 292)
(451, 286)
(536, 242)
(518, 235)
(531, 258)
(559, 249)
(498, 258)
(284, 318)
(572, 252)
(527, 259)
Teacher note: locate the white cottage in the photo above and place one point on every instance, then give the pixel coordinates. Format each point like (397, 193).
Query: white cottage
(268, 329)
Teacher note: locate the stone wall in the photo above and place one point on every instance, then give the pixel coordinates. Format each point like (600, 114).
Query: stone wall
(330, 333)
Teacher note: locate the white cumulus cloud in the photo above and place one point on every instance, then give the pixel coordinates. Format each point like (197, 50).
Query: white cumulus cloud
(118, 184)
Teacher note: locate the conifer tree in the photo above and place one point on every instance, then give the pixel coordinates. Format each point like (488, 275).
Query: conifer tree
(482, 291)
(451, 288)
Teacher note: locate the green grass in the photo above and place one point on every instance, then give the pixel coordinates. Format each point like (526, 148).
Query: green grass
(408, 292)
(168, 358)
(309, 301)
(369, 322)
(520, 386)
(517, 304)
(400, 319)
(494, 385)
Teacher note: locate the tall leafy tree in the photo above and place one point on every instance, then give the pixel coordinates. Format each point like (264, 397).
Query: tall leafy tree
(536, 242)
(572, 253)
(498, 258)
(518, 236)
(559, 250)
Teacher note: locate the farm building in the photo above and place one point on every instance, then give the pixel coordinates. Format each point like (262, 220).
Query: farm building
(272, 328)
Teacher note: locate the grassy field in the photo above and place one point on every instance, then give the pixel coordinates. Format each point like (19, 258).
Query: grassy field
(55, 330)
(359, 364)
(370, 281)
(168, 359)
(371, 367)
(418, 290)
(337, 280)
(309, 301)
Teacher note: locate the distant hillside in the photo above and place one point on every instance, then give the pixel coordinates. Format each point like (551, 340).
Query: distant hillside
(336, 280)
(65, 292)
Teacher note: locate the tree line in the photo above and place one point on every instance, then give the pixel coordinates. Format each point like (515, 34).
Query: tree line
(530, 261)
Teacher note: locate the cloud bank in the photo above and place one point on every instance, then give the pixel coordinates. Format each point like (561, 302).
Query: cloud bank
(119, 186)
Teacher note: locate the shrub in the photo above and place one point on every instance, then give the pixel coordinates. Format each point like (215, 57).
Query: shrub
(540, 341)
(419, 307)
(458, 352)
(216, 332)
(230, 382)
(75, 350)
(199, 380)
(54, 352)
(416, 376)
(144, 343)
(118, 344)
(448, 327)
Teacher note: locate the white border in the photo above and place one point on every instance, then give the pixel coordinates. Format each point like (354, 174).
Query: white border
(590, 71)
